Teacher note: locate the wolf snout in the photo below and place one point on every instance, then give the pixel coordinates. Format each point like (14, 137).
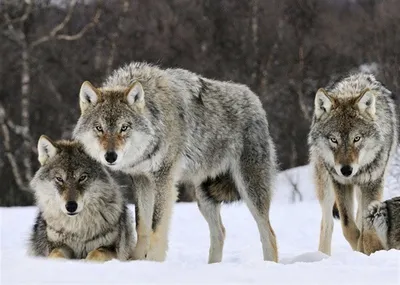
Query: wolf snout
(71, 207)
(346, 170)
(111, 156)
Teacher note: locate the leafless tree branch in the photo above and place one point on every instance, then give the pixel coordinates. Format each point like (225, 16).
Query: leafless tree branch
(82, 32)
(12, 33)
(8, 151)
(57, 28)
(53, 34)
(295, 188)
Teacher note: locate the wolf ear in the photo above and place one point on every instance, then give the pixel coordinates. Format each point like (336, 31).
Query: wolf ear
(87, 96)
(135, 95)
(322, 103)
(46, 149)
(366, 102)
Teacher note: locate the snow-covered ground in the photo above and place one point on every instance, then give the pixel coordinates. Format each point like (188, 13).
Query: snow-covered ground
(296, 227)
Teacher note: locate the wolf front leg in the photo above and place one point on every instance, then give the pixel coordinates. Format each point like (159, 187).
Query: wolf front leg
(165, 197)
(144, 208)
(369, 242)
(345, 202)
(155, 198)
(326, 199)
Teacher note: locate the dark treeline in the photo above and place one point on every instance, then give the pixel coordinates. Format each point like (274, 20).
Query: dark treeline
(283, 49)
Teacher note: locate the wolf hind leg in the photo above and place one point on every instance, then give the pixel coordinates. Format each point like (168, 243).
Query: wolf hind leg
(211, 211)
(254, 184)
(326, 199)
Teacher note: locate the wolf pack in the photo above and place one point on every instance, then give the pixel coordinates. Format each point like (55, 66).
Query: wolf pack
(171, 127)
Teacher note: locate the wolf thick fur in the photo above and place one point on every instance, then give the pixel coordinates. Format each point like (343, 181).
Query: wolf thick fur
(352, 138)
(82, 213)
(169, 126)
(384, 218)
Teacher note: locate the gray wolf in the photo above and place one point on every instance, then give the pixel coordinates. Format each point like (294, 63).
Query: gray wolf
(82, 213)
(169, 126)
(384, 218)
(352, 138)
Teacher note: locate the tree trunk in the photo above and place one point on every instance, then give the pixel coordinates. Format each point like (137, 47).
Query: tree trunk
(25, 115)
(254, 33)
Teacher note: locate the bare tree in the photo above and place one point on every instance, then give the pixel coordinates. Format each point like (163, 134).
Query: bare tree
(17, 31)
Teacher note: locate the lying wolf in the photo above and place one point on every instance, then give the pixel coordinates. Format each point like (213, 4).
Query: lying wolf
(384, 218)
(82, 213)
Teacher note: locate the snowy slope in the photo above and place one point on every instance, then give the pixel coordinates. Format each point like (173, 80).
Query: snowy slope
(296, 227)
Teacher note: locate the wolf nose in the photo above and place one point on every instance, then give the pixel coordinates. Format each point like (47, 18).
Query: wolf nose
(71, 206)
(346, 170)
(111, 156)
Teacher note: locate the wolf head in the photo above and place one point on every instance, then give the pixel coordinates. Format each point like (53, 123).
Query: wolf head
(344, 130)
(113, 125)
(68, 180)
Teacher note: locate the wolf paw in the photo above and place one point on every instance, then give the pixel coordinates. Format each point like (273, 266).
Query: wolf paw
(57, 253)
(142, 248)
(100, 255)
(139, 254)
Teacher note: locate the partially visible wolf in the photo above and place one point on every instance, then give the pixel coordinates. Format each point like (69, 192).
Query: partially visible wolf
(168, 126)
(352, 138)
(384, 218)
(82, 213)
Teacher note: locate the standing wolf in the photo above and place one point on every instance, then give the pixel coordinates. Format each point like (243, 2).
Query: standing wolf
(82, 213)
(352, 137)
(168, 126)
(384, 218)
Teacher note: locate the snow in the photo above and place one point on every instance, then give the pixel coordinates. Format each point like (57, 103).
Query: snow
(296, 226)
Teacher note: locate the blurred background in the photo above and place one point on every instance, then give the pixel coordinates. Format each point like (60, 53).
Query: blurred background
(283, 49)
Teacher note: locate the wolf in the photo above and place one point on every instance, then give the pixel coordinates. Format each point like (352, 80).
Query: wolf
(384, 218)
(351, 141)
(169, 126)
(82, 213)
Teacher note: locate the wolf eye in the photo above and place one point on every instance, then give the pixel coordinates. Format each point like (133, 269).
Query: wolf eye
(99, 129)
(333, 139)
(124, 128)
(59, 179)
(357, 138)
(83, 178)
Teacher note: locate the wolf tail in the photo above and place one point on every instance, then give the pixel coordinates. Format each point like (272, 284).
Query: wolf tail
(335, 212)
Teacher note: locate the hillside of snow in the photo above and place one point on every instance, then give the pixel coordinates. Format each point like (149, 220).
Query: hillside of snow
(296, 226)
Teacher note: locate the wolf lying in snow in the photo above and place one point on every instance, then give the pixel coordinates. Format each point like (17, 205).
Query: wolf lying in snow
(82, 213)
